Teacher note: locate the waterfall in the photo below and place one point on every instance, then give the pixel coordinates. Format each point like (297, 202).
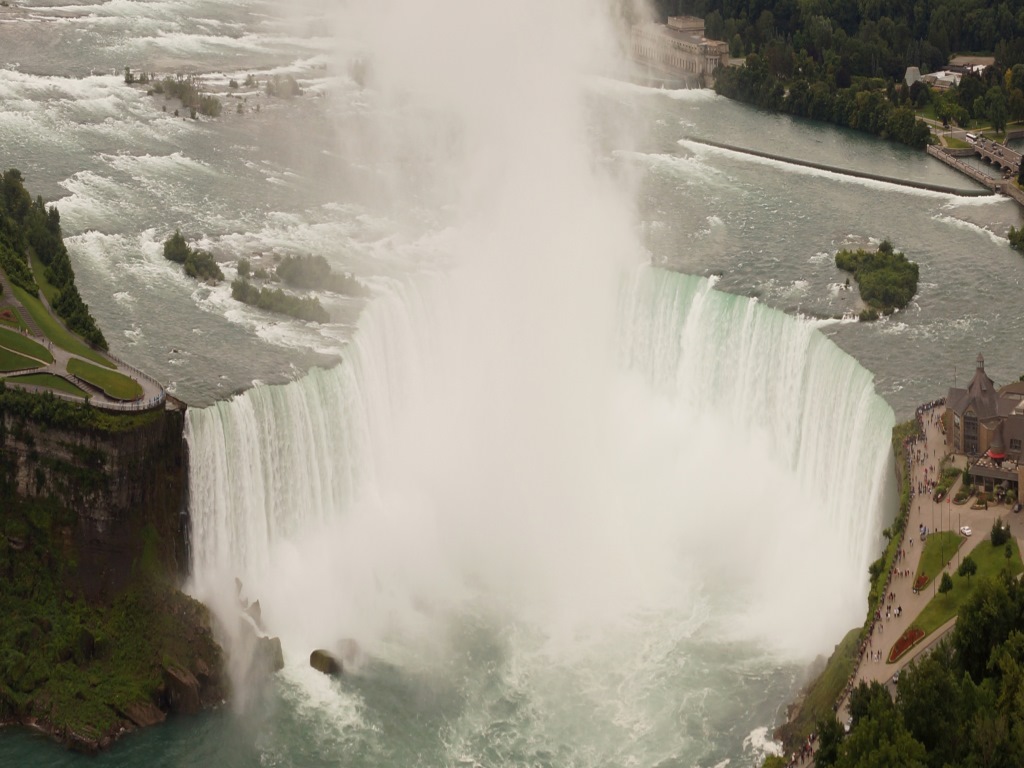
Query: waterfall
(726, 450)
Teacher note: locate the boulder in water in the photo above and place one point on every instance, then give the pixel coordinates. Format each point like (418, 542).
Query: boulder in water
(324, 661)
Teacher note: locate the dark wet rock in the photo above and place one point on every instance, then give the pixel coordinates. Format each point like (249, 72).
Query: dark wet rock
(182, 690)
(255, 613)
(143, 714)
(268, 654)
(324, 661)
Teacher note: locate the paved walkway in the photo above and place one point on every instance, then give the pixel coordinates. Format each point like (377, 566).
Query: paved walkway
(944, 516)
(152, 392)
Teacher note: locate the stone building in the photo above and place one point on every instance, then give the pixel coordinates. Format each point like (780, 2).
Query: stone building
(680, 49)
(987, 425)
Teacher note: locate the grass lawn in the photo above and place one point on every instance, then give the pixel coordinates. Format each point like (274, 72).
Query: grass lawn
(822, 694)
(56, 332)
(12, 361)
(939, 549)
(956, 143)
(50, 381)
(39, 273)
(24, 345)
(114, 384)
(991, 560)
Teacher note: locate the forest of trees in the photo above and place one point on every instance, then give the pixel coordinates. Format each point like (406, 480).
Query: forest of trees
(844, 62)
(960, 704)
(28, 225)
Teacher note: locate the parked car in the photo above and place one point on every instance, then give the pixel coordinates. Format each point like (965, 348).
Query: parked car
(965, 530)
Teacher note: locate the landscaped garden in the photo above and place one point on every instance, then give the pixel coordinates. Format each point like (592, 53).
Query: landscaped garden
(113, 384)
(907, 640)
(989, 561)
(939, 549)
(10, 316)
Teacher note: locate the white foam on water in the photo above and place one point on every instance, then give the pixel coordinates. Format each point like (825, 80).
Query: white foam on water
(970, 226)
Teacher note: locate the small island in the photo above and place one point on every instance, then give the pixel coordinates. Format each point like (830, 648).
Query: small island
(886, 278)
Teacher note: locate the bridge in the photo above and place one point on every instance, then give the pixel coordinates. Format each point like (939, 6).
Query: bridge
(998, 154)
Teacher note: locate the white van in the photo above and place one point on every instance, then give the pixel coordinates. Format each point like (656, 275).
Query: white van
(972, 137)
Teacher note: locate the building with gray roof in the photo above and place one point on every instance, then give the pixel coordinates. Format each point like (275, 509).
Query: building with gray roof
(987, 425)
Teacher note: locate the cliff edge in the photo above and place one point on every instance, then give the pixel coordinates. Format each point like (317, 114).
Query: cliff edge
(96, 639)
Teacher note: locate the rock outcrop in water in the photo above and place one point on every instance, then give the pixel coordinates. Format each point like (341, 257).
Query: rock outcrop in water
(324, 661)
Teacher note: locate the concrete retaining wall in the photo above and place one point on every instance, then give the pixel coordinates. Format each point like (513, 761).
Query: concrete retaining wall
(856, 174)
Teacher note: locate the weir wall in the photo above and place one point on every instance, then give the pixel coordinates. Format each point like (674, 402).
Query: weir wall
(857, 174)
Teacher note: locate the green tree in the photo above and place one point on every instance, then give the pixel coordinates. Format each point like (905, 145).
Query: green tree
(996, 108)
(176, 249)
(946, 584)
(1000, 533)
(967, 568)
(985, 621)
(880, 738)
(830, 737)
(927, 700)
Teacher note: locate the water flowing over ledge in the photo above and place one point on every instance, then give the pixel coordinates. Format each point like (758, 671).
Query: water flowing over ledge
(723, 477)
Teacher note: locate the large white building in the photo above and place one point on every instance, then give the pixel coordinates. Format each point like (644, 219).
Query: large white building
(680, 49)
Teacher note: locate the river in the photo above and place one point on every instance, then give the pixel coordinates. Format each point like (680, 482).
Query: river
(553, 492)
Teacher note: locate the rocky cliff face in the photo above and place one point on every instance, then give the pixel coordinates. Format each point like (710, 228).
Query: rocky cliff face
(125, 489)
(96, 639)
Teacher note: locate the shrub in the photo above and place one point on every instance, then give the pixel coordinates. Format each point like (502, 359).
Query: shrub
(887, 280)
(198, 264)
(276, 300)
(1000, 533)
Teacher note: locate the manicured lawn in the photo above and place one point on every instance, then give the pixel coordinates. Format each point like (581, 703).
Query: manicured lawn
(24, 345)
(56, 332)
(991, 560)
(50, 381)
(12, 361)
(956, 143)
(939, 549)
(114, 384)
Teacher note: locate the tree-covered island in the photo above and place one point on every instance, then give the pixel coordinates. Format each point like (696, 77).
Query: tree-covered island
(886, 278)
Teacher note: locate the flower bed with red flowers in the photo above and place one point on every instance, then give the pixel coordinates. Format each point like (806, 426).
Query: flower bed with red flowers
(8, 316)
(922, 582)
(907, 640)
